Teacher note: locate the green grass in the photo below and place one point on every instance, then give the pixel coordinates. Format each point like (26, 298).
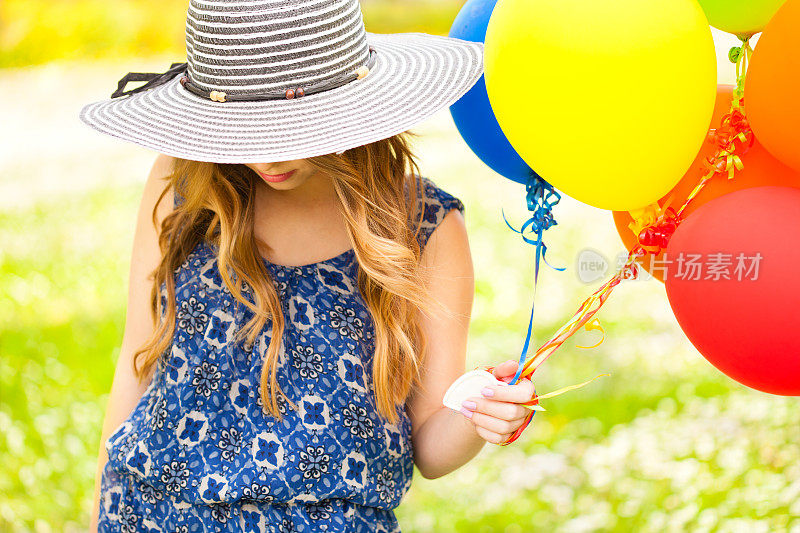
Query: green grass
(62, 284)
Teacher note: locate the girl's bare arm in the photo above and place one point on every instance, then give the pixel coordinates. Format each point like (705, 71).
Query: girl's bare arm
(126, 390)
(444, 440)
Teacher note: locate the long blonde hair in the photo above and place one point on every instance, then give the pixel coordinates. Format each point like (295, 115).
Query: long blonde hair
(378, 186)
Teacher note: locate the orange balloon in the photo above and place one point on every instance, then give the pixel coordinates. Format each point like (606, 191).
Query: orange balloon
(760, 169)
(773, 80)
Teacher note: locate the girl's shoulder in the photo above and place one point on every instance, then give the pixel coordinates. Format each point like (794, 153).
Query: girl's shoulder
(435, 204)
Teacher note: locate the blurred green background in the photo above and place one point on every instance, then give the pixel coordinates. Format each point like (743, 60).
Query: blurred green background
(38, 31)
(664, 444)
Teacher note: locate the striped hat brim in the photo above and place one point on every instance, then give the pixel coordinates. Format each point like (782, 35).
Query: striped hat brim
(415, 75)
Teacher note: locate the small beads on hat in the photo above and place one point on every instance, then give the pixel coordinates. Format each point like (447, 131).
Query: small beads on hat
(362, 72)
(292, 93)
(184, 80)
(217, 96)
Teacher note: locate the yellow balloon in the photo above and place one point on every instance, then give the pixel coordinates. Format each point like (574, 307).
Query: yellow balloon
(608, 100)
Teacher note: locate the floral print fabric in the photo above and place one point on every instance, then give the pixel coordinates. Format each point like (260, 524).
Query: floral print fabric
(199, 453)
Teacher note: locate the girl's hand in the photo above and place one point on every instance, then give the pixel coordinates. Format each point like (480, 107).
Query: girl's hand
(498, 414)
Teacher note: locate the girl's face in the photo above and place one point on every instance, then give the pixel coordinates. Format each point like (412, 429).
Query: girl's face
(285, 175)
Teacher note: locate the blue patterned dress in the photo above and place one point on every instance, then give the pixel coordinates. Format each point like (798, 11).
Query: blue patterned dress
(199, 453)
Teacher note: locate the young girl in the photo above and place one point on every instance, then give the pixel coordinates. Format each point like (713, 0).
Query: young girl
(299, 295)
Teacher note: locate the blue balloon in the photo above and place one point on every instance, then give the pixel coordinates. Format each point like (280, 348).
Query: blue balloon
(473, 113)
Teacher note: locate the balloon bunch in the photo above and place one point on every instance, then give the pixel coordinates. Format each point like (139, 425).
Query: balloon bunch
(613, 101)
(739, 313)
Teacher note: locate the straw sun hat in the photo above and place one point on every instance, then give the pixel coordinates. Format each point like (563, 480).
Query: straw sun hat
(278, 80)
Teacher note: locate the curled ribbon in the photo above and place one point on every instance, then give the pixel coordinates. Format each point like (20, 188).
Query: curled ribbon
(734, 137)
(653, 226)
(533, 405)
(541, 198)
(740, 56)
(584, 314)
(594, 325)
(644, 217)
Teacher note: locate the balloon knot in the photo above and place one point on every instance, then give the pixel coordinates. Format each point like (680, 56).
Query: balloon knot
(541, 198)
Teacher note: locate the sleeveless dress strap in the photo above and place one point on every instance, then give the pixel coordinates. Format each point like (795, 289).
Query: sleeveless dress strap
(438, 203)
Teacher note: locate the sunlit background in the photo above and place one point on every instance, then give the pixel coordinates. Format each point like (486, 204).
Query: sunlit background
(665, 444)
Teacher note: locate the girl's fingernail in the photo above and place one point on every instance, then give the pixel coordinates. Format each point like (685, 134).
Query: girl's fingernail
(470, 405)
(486, 391)
(466, 412)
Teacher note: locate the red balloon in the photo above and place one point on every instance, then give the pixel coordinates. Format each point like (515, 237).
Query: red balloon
(747, 325)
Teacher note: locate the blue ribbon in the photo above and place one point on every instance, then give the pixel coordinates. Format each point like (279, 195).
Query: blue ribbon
(541, 198)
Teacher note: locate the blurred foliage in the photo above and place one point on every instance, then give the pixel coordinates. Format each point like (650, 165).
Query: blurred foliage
(38, 31)
(60, 324)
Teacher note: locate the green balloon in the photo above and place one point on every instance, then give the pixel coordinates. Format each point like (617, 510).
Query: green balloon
(740, 17)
